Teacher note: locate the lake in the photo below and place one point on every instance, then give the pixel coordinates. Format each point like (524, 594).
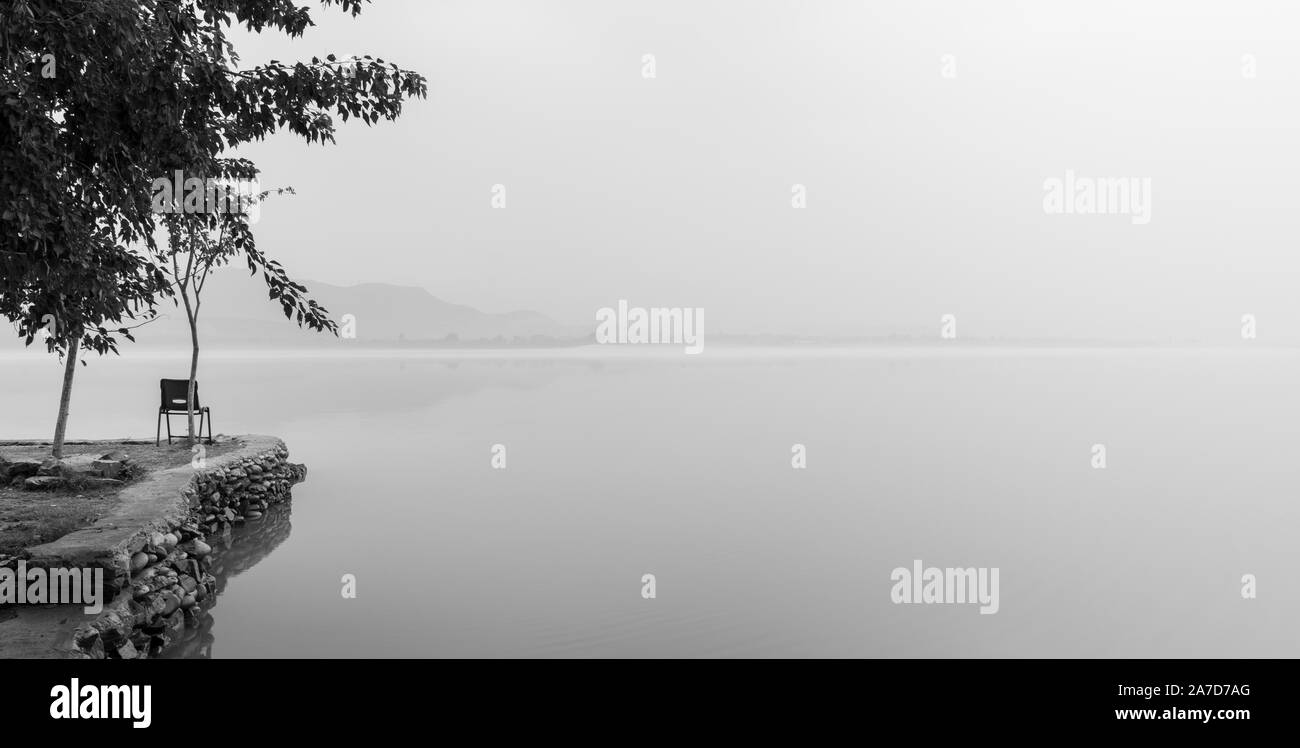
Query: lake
(621, 463)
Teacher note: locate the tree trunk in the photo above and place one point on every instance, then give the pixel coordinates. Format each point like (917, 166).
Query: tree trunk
(191, 314)
(194, 374)
(69, 368)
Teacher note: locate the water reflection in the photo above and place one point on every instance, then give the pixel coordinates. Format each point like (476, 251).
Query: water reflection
(681, 468)
(233, 553)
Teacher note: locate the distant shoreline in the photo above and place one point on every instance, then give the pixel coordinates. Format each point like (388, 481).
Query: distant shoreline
(713, 350)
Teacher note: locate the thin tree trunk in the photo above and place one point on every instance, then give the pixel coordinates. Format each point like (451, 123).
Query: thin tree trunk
(191, 314)
(194, 374)
(69, 368)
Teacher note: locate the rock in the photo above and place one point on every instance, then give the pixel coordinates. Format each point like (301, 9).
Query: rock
(147, 588)
(153, 608)
(116, 456)
(126, 651)
(170, 541)
(22, 468)
(156, 540)
(197, 547)
(94, 650)
(189, 601)
(97, 482)
(113, 629)
(175, 625)
(253, 515)
(71, 465)
(88, 641)
(171, 603)
(84, 635)
(139, 561)
(109, 468)
(44, 483)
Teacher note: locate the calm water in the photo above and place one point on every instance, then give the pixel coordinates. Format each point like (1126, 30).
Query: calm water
(621, 465)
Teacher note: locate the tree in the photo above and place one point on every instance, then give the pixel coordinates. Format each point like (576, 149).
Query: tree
(49, 307)
(240, 105)
(69, 198)
(198, 243)
(100, 97)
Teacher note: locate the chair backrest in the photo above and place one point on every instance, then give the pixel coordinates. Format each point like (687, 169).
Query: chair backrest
(175, 392)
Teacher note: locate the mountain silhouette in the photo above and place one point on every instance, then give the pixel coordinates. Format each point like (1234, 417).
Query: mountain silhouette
(237, 313)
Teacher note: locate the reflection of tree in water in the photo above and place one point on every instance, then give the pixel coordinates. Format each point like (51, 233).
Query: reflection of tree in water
(232, 554)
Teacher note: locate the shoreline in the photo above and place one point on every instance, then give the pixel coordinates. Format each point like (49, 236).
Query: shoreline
(153, 552)
(674, 353)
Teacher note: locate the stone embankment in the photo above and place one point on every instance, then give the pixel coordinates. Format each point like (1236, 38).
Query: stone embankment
(154, 546)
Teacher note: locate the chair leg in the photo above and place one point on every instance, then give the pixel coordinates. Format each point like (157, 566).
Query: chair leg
(169, 428)
(209, 427)
(157, 439)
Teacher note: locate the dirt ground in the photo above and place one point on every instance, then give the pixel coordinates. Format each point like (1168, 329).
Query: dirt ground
(29, 518)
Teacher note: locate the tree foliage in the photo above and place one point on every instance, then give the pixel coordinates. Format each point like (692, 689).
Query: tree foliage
(142, 89)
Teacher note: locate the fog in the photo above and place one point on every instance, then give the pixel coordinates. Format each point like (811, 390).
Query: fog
(924, 193)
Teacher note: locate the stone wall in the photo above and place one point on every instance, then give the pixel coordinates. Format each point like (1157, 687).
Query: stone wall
(232, 555)
(165, 575)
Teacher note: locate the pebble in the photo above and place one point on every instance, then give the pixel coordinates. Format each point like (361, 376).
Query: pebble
(199, 548)
(172, 603)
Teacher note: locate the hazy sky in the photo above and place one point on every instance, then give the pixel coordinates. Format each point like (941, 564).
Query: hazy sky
(924, 193)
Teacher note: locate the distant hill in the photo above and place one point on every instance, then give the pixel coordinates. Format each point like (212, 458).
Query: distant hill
(237, 313)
